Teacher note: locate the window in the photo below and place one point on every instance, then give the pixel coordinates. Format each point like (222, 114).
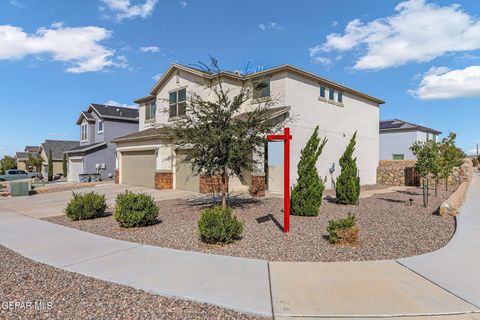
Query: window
(84, 132)
(340, 97)
(398, 157)
(10, 172)
(178, 103)
(21, 172)
(261, 89)
(150, 110)
(100, 126)
(322, 91)
(331, 94)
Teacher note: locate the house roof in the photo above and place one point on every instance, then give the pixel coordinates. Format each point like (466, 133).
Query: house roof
(245, 77)
(270, 114)
(109, 112)
(79, 149)
(23, 155)
(33, 149)
(400, 125)
(58, 147)
(145, 134)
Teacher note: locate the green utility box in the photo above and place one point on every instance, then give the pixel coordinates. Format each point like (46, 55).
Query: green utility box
(19, 188)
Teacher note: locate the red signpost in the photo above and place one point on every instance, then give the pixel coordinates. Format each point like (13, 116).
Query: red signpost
(286, 137)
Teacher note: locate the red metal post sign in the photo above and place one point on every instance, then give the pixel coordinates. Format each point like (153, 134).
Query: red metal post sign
(286, 137)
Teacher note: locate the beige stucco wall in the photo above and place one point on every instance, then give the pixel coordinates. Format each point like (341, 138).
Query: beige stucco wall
(21, 165)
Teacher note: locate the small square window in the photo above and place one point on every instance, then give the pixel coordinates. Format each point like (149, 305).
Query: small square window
(261, 89)
(331, 94)
(322, 91)
(398, 157)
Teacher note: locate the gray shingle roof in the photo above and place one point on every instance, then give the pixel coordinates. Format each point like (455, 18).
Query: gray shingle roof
(22, 155)
(400, 125)
(148, 133)
(58, 147)
(108, 111)
(32, 149)
(89, 147)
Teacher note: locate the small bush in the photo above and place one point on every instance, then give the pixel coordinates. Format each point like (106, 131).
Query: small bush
(86, 206)
(135, 209)
(343, 230)
(219, 225)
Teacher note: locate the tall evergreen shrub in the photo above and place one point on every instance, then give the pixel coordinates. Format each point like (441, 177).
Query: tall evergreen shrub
(348, 183)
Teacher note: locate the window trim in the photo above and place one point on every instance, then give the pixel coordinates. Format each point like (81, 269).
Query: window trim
(148, 110)
(331, 94)
(82, 131)
(100, 122)
(324, 92)
(176, 103)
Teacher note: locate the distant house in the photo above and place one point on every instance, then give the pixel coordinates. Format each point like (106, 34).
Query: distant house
(58, 147)
(397, 136)
(98, 126)
(22, 157)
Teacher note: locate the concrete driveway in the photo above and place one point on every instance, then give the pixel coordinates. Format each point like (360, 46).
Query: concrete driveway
(52, 204)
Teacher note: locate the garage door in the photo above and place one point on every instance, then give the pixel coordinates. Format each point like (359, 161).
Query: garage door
(75, 167)
(183, 175)
(138, 168)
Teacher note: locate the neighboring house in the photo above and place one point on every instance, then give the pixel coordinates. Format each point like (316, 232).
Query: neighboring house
(58, 147)
(22, 157)
(98, 126)
(150, 158)
(397, 136)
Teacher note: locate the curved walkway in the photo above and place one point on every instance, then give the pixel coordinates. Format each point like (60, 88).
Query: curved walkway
(446, 282)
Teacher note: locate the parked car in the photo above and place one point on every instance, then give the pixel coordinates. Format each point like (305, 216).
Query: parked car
(18, 175)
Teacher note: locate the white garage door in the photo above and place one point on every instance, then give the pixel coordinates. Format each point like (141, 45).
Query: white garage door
(138, 168)
(75, 167)
(184, 179)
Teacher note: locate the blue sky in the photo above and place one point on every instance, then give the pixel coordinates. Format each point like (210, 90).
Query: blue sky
(421, 57)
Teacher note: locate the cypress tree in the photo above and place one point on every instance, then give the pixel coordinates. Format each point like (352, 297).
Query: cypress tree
(307, 194)
(50, 166)
(348, 183)
(64, 165)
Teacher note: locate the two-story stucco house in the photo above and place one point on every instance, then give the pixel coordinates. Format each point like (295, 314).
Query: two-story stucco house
(149, 157)
(99, 125)
(397, 136)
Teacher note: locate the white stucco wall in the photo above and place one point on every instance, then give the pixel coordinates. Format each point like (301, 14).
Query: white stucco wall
(337, 123)
(399, 142)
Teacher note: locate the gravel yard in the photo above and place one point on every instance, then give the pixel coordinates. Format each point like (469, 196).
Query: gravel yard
(389, 228)
(68, 295)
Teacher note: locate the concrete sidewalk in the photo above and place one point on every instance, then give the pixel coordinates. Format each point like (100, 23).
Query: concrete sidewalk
(444, 284)
(456, 267)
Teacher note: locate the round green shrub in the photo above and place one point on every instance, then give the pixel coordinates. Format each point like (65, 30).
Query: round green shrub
(135, 209)
(86, 206)
(219, 225)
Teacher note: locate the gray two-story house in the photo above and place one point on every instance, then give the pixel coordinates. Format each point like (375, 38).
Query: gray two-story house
(98, 126)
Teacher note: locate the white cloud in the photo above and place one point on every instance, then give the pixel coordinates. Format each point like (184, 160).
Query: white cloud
(323, 61)
(78, 47)
(417, 32)
(157, 76)
(442, 83)
(334, 23)
(118, 104)
(124, 9)
(17, 3)
(271, 26)
(150, 49)
(183, 4)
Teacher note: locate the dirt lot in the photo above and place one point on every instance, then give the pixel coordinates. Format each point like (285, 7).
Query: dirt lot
(389, 228)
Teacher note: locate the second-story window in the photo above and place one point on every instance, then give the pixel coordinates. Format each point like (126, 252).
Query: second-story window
(177, 103)
(331, 94)
(100, 126)
(84, 132)
(261, 89)
(150, 110)
(322, 91)
(340, 97)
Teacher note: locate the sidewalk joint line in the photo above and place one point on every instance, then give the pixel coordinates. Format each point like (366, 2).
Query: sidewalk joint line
(98, 257)
(436, 284)
(270, 289)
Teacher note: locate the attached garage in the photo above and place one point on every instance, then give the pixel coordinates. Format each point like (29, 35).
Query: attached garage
(184, 179)
(75, 167)
(138, 168)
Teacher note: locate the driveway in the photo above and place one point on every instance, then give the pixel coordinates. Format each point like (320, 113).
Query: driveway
(52, 204)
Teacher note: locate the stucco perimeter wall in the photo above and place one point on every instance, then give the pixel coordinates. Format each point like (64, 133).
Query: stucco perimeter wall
(392, 172)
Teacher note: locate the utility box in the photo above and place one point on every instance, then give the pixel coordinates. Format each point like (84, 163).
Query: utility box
(19, 188)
